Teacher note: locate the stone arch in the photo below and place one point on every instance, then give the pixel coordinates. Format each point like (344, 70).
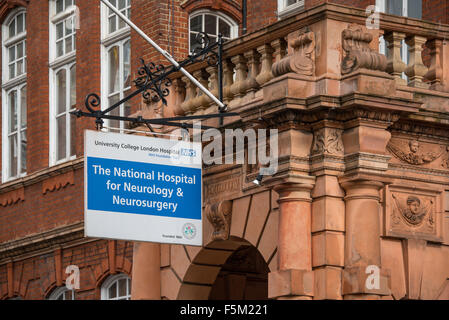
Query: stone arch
(8, 5)
(189, 272)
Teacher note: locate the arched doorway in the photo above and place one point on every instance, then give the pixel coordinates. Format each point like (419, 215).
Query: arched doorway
(244, 276)
(226, 270)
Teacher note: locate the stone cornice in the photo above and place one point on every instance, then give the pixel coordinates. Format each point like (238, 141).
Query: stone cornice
(42, 175)
(42, 242)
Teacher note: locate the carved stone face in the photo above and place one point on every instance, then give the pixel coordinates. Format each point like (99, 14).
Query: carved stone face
(414, 146)
(414, 207)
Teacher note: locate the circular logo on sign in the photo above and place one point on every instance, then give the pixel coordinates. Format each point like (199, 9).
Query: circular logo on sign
(189, 231)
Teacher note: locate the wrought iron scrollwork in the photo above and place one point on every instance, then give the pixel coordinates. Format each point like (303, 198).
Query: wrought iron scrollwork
(153, 83)
(201, 50)
(151, 77)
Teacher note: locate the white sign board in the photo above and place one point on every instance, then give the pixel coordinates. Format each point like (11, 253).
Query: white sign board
(142, 188)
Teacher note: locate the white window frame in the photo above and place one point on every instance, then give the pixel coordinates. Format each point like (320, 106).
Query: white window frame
(56, 64)
(285, 10)
(61, 291)
(17, 83)
(115, 279)
(203, 12)
(108, 41)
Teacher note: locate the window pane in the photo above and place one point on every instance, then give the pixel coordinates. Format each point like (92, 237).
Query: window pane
(415, 9)
(210, 24)
(127, 105)
(114, 74)
(73, 87)
(126, 64)
(112, 24)
(59, 6)
(23, 107)
(113, 291)
(68, 3)
(195, 23)
(59, 30)
(23, 146)
(72, 135)
(116, 112)
(122, 288)
(121, 4)
(61, 89)
(224, 29)
(20, 24)
(68, 45)
(61, 136)
(20, 67)
(13, 155)
(121, 23)
(12, 28)
(290, 2)
(193, 43)
(20, 50)
(12, 53)
(59, 48)
(12, 97)
(394, 7)
(69, 26)
(12, 70)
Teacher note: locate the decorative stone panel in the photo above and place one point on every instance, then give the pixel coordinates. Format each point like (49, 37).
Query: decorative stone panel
(413, 213)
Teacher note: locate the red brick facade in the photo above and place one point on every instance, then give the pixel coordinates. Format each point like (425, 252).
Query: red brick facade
(40, 214)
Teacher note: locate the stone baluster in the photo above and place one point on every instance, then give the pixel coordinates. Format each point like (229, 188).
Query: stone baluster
(213, 87)
(201, 101)
(190, 95)
(179, 90)
(251, 84)
(280, 48)
(395, 65)
(435, 73)
(416, 69)
(265, 75)
(228, 80)
(238, 88)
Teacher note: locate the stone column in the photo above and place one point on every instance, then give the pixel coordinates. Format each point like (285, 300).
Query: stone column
(146, 273)
(362, 245)
(366, 160)
(294, 279)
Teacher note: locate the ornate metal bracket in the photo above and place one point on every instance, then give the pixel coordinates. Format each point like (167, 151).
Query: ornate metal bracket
(153, 83)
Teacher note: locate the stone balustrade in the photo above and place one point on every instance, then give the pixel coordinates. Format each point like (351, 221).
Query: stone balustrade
(323, 53)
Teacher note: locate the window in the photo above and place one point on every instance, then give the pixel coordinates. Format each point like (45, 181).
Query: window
(116, 62)
(14, 96)
(289, 7)
(114, 22)
(406, 8)
(63, 16)
(116, 287)
(212, 24)
(62, 293)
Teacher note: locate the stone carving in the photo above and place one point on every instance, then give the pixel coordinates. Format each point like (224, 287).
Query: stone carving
(302, 60)
(412, 155)
(219, 215)
(328, 141)
(413, 211)
(358, 54)
(445, 162)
